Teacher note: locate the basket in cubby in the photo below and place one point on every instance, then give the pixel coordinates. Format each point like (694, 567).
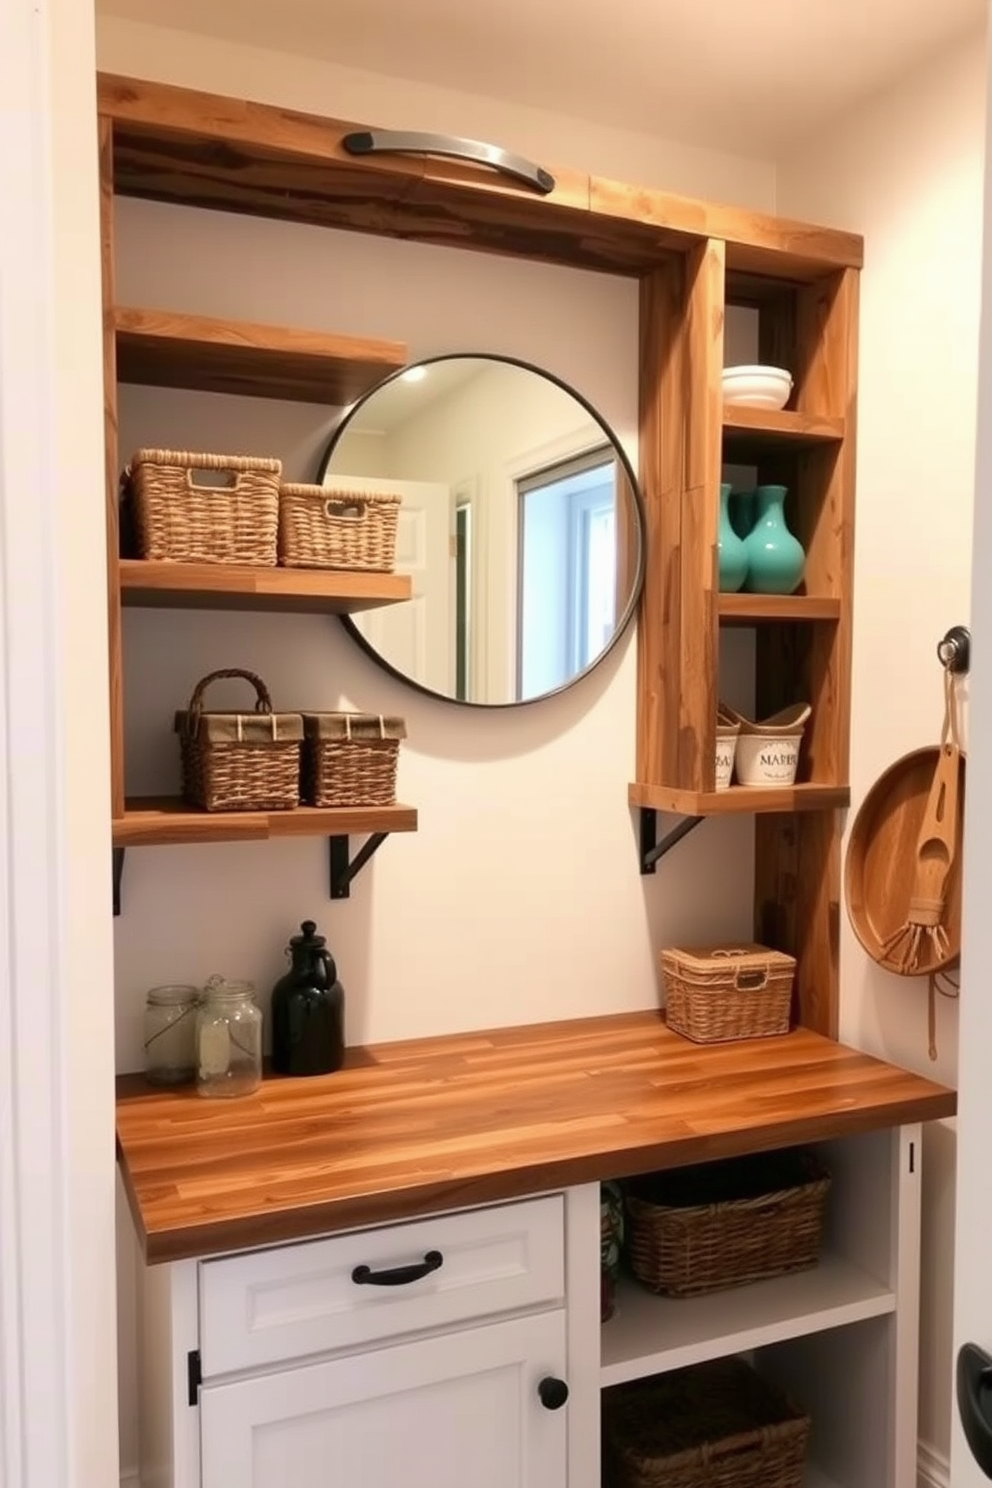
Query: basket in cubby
(711, 1425)
(326, 528)
(717, 993)
(239, 761)
(726, 1223)
(178, 516)
(350, 759)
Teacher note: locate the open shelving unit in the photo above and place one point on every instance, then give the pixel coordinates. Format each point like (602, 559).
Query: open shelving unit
(808, 323)
(161, 348)
(649, 1334)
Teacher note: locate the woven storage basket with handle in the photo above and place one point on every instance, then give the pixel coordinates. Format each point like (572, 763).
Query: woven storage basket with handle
(240, 761)
(723, 1224)
(321, 528)
(179, 516)
(350, 759)
(713, 1425)
(721, 992)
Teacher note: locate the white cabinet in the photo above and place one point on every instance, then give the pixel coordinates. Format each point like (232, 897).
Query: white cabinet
(274, 1369)
(457, 1409)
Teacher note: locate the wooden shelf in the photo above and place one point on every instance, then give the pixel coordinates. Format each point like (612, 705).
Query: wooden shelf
(747, 430)
(159, 348)
(150, 821)
(650, 1334)
(217, 586)
(740, 799)
(756, 609)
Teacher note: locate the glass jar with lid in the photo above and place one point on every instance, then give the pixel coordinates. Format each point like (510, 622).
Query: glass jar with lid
(228, 1039)
(170, 1034)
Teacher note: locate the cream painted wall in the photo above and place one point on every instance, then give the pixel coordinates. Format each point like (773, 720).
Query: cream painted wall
(301, 82)
(907, 172)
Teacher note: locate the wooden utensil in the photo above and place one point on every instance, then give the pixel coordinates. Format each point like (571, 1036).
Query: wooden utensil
(903, 870)
(936, 850)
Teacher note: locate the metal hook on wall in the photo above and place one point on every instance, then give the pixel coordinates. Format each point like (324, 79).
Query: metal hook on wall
(954, 651)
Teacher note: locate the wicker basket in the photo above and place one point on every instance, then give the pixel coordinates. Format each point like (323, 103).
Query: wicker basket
(350, 759)
(713, 1425)
(321, 528)
(240, 761)
(178, 519)
(723, 1224)
(722, 992)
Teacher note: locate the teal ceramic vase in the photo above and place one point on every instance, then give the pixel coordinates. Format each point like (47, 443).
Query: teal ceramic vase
(775, 557)
(742, 512)
(731, 552)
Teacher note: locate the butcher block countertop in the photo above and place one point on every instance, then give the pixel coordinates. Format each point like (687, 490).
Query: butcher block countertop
(411, 1128)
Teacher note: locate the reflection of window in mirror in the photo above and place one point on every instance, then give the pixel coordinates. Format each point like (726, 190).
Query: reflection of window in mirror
(567, 569)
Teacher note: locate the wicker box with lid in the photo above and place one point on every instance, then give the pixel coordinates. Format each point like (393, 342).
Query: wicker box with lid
(350, 759)
(716, 993)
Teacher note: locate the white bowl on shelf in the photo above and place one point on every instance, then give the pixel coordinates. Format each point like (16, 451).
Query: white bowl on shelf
(756, 387)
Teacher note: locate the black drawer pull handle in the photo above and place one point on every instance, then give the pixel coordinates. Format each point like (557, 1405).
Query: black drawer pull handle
(410, 142)
(399, 1275)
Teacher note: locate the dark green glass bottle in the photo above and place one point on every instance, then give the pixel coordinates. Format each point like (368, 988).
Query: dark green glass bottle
(308, 1009)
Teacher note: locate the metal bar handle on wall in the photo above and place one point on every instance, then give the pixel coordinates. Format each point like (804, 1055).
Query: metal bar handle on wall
(413, 142)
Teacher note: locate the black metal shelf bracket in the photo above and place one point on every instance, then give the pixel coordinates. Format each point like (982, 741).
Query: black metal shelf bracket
(651, 850)
(343, 869)
(117, 864)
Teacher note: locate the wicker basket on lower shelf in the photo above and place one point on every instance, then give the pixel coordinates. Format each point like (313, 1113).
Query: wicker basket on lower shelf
(180, 517)
(723, 1224)
(713, 1425)
(322, 528)
(240, 761)
(350, 759)
(718, 993)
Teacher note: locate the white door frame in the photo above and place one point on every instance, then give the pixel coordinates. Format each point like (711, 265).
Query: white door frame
(57, 1293)
(973, 1222)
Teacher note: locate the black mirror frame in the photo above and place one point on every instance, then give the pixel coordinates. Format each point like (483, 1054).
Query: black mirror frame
(639, 514)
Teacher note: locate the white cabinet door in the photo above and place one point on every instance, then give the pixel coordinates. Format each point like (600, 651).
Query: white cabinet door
(449, 1411)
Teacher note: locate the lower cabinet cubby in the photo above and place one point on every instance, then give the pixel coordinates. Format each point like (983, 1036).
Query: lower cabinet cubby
(840, 1339)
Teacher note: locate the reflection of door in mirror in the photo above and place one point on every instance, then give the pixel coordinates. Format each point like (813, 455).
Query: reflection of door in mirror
(418, 637)
(567, 565)
(487, 435)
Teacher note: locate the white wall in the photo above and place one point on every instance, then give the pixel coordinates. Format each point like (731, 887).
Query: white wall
(519, 898)
(907, 172)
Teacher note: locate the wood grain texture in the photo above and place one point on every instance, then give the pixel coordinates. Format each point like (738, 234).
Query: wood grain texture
(747, 430)
(410, 1128)
(739, 799)
(758, 609)
(216, 586)
(661, 441)
(175, 144)
(159, 348)
(149, 821)
(703, 411)
(798, 861)
(681, 356)
(111, 465)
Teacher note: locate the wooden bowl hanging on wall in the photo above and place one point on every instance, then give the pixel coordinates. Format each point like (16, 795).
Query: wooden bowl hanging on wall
(880, 867)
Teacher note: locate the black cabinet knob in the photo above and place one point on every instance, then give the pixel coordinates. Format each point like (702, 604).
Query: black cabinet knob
(552, 1392)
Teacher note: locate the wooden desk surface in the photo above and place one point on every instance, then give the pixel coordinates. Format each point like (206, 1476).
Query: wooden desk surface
(430, 1124)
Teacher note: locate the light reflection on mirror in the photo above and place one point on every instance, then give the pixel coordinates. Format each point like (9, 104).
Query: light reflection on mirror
(520, 527)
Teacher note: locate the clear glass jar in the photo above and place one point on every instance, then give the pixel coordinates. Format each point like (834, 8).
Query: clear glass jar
(228, 1039)
(170, 1034)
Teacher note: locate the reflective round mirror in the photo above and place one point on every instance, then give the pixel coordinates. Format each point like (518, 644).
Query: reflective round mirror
(520, 526)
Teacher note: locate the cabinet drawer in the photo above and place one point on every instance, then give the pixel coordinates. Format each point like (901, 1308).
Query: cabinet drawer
(272, 1305)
